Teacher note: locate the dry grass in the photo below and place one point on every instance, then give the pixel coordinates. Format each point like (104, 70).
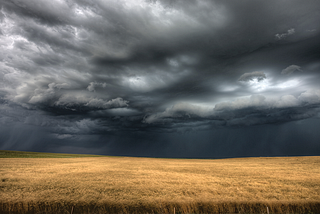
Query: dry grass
(141, 185)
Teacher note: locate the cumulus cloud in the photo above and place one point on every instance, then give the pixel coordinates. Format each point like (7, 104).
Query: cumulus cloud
(42, 95)
(258, 75)
(256, 109)
(287, 101)
(73, 101)
(93, 85)
(114, 103)
(291, 69)
(63, 136)
(311, 96)
(264, 110)
(252, 101)
(179, 110)
(284, 35)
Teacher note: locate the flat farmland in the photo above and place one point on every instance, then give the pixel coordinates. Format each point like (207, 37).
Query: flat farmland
(152, 185)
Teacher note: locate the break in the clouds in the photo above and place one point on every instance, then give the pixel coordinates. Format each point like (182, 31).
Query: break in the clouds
(145, 77)
(258, 75)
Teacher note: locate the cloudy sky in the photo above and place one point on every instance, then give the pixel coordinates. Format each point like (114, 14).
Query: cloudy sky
(167, 78)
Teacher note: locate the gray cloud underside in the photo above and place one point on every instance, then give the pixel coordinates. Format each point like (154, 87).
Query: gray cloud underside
(97, 67)
(291, 69)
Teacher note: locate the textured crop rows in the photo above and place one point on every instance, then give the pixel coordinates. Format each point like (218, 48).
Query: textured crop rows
(150, 185)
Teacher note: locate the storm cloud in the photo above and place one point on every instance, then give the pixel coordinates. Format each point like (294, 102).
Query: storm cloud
(136, 77)
(252, 76)
(291, 69)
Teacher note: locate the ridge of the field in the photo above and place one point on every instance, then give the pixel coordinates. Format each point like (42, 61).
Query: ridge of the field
(24, 154)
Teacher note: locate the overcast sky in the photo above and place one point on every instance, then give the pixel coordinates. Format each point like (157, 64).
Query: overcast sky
(164, 78)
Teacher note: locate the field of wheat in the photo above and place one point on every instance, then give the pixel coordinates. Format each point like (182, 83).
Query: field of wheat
(152, 185)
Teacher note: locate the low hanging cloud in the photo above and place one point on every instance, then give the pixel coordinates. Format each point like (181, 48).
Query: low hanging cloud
(284, 35)
(179, 110)
(253, 110)
(74, 101)
(247, 102)
(291, 69)
(310, 97)
(93, 85)
(258, 75)
(64, 96)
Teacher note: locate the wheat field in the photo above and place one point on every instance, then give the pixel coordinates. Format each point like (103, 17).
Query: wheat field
(152, 185)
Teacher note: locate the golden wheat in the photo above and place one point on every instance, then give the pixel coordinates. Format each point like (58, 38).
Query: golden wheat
(158, 185)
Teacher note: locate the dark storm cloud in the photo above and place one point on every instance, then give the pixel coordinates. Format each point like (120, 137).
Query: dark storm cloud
(102, 70)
